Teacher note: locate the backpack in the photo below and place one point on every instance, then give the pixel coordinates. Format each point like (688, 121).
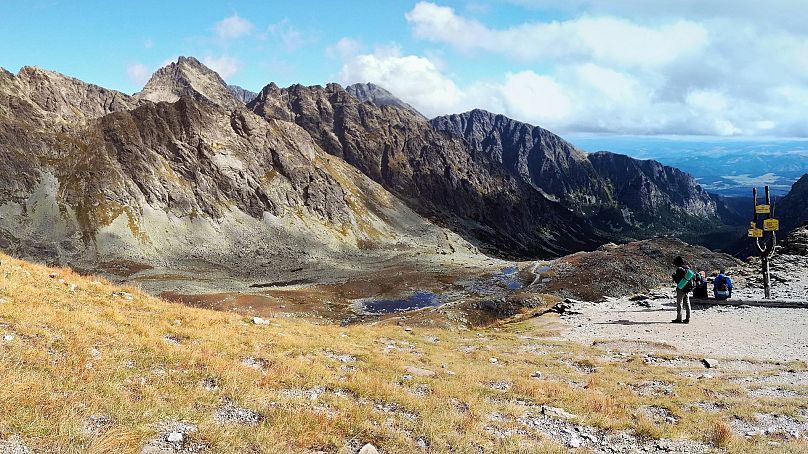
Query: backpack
(721, 284)
(680, 274)
(699, 286)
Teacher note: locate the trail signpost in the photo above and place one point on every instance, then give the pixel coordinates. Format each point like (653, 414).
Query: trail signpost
(766, 237)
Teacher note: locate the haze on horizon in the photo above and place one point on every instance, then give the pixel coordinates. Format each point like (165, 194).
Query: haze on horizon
(728, 68)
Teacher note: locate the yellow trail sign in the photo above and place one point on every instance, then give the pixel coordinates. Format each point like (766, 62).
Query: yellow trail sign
(763, 209)
(771, 225)
(755, 233)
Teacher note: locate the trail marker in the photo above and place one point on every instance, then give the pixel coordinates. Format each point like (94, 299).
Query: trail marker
(771, 225)
(765, 238)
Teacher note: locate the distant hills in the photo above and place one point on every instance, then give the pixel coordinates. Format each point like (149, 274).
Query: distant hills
(185, 168)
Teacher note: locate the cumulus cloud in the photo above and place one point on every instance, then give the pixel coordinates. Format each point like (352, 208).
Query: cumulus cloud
(413, 78)
(232, 27)
(289, 36)
(138, 73)
(225, 65)
(592, 38)
(614, 69)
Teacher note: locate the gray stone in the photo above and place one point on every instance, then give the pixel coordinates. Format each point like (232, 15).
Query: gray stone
(175, 437)
(368, 449)
(555, 412)
(710, 363)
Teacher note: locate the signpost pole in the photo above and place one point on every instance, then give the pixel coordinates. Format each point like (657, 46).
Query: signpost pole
(765, 258)
(768, 234)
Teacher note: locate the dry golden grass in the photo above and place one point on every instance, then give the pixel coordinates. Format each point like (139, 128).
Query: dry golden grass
(79, 352)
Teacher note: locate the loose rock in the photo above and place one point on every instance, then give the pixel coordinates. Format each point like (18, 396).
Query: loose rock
(368, 449)
(710, 363)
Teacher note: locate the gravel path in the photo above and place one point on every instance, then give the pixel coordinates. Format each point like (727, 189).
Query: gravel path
(725, 332)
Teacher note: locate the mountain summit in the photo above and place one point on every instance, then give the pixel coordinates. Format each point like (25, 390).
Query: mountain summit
(188, 77)
(369, 92)
(618, 192)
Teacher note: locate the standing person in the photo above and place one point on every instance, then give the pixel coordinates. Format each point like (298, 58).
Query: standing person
(683, 277)
(722, 286)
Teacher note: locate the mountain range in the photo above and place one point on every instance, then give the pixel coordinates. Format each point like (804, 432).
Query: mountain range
(191, 170)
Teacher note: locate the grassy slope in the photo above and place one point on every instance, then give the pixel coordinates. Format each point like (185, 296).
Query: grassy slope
(85, 352)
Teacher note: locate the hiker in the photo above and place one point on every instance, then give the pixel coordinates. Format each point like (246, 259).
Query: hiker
(683, 277)
(722, 286)
(700, 285)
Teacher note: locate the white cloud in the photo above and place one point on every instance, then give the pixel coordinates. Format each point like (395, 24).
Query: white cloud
(627, 66)
(344, 49)
(225, 65)
(232, 27)
(138, 73)
(414, 79)
(290, 37)
(603, 39)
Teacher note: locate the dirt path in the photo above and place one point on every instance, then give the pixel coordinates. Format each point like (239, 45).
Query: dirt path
(737, 332)
(754, 332)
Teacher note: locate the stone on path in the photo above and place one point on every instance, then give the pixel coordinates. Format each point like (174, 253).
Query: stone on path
(368, 449)
(260, 321)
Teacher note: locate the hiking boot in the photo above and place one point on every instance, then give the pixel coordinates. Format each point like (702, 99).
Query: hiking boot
(686, 321)
(676, 321)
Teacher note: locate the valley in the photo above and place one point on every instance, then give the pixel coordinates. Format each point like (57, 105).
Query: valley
(200, 268)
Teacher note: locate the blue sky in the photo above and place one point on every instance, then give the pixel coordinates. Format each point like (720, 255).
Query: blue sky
(734, 68)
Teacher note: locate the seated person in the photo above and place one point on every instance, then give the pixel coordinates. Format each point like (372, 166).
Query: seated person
(722, 286)
(700, 285)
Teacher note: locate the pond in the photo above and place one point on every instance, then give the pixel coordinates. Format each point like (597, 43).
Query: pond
(418, 300)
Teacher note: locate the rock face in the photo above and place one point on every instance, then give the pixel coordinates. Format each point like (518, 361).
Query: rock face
(618, 191)
(652, 191)
(436, 174)
(375, 94)
(187, 77)
(242, 94)
(796, 242)
(793, 208)
(180, 172)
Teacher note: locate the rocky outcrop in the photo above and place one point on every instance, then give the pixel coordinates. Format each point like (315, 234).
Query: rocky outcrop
(242, 94)
(619, 192)
(654, 193)
(434, 173)
(187, 77)
(90, 175)
(792, 209)
(532, 154)
(796, 242)
(55, 101)
(369, 92)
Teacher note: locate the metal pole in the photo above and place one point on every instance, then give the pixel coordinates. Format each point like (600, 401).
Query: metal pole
(767, 293)
(766, 247)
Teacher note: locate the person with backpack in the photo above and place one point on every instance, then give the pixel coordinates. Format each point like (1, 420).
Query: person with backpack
(683, 278)
(722, 286)
(700, 285)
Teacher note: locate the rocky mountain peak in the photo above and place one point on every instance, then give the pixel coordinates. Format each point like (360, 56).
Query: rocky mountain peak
(188, 77)
(370, 92)
(51, 98)
(242, 94)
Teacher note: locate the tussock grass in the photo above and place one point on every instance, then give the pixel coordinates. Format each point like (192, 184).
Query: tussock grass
(143, 362)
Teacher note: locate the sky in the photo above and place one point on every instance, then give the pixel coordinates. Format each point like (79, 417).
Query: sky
(725, 68)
